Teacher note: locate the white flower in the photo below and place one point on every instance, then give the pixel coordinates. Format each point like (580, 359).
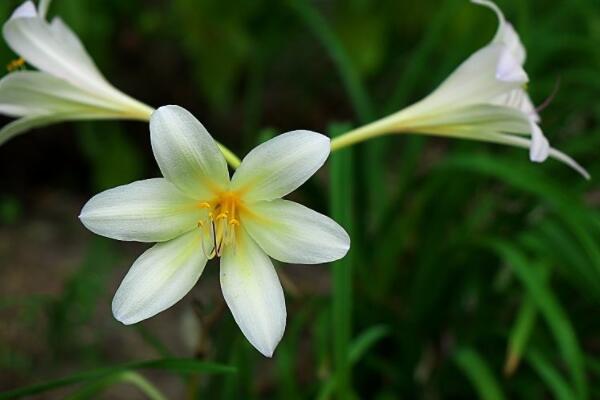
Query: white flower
(196, 213)
(68, 85)
(483, 99)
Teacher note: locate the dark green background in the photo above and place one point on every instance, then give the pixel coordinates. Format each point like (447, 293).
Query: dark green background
(458, 248)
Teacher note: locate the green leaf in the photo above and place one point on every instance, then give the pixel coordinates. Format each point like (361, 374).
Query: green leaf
(553, 313)
(321, 30)
(522, 330)
(479, 373)
(520, 334)
(181, 365)
(357, 350)
(553, 379)
(365, 341)
(133, 378)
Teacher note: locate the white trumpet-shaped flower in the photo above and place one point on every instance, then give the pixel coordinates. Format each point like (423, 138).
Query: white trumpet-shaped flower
(483, 99)
(196, 212)
(67, 85)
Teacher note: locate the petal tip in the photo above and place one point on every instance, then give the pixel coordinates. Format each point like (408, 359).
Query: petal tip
(509, 69)
(25, 10)
(121, 315)
(267, 352)
(540, 147)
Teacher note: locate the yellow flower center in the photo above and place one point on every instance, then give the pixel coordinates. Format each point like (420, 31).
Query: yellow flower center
(220, 226)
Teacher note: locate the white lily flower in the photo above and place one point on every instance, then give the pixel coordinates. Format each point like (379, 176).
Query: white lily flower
(196, 213)
(67, 85)
(483, 99)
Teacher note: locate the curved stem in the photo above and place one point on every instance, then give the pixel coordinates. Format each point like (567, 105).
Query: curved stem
(382, 127)
(361, 134)
(232, 159)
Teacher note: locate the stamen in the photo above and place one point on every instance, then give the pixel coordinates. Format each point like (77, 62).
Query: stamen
(222, 215)
(219, 225)
(208, 252)
(16, 64)
(214, 236)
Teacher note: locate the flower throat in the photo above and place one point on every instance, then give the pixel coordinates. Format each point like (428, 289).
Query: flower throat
(220, 224)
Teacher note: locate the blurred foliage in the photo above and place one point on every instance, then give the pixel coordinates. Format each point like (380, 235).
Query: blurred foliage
(474, 272)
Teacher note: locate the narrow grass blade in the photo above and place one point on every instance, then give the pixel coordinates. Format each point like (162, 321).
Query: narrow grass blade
(551, 377)
(479, 373)
(519, 335)
(133, 378)
(358, 349)
(181, 365)
(319, 27)
(522, 330)
(550, 308)
(341, 174)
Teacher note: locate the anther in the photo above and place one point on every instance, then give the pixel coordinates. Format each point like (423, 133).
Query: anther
(222, 215)
(15, 64)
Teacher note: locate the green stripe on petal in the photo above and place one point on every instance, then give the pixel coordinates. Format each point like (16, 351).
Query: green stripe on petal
(159, 278)
(151, 210)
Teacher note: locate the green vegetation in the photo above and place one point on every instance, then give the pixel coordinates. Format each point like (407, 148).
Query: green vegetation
(473, 273)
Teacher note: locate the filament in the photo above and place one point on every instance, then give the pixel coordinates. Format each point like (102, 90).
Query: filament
(219, 227)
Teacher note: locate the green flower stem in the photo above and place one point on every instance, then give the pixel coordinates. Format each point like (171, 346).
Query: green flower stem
(233, 160)
(361, 134)
(342, 177)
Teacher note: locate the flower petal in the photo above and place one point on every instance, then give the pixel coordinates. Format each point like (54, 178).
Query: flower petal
(540, 148)
(186, 153)
(24, 124)
(159, 278)
(473, 118)
(509, 69)
(488, 73)
(292, 233)
(253, 293)
(33, 92)
(505, 34)
(25, 10)
(51, 50)
(151, 210)
(518, 99)
(280, 165)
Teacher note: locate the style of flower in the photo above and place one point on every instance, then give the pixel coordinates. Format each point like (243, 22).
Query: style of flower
(196, 212)
(68, 85)
(483, 99)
